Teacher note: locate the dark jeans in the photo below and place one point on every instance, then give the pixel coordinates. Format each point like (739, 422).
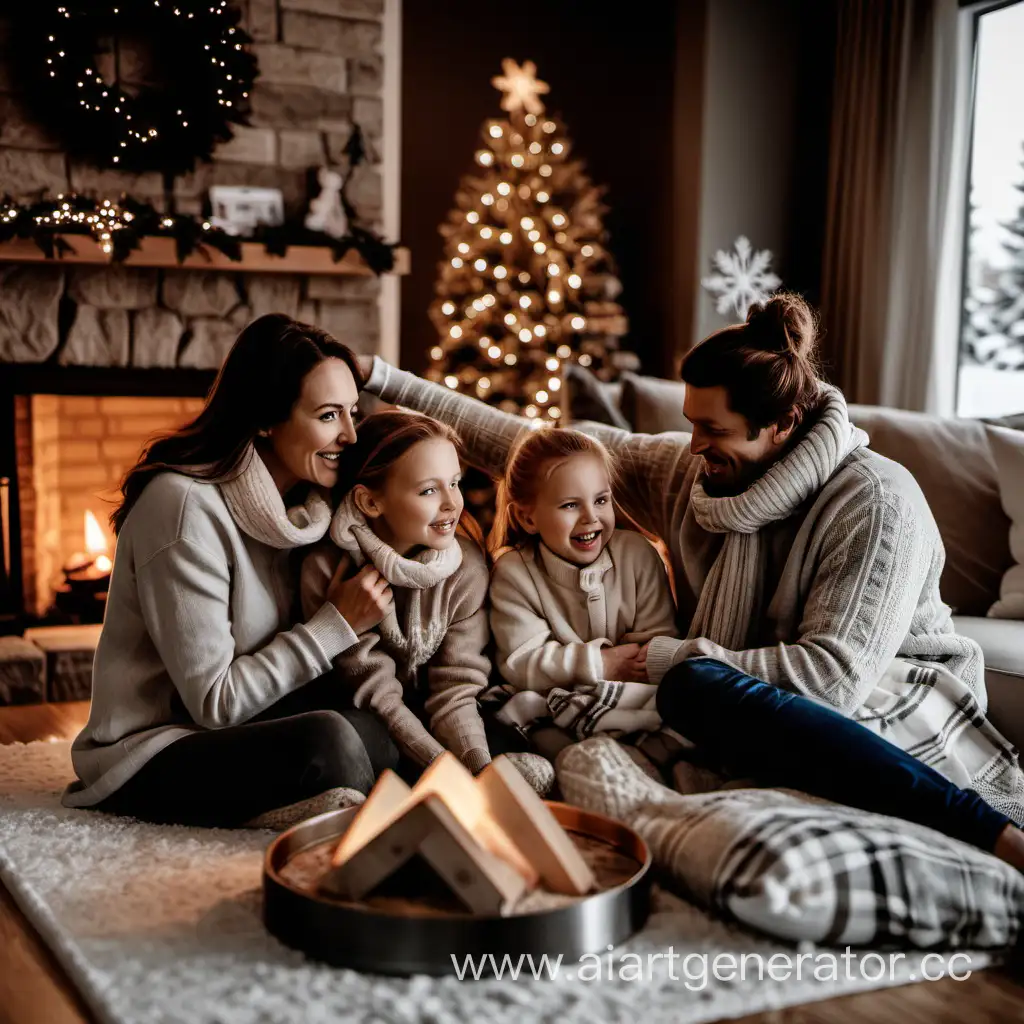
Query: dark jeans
(297, 748)
(756, 730)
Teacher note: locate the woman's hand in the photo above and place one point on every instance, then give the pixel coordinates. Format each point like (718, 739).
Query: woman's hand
(626, 663)
(363, 600)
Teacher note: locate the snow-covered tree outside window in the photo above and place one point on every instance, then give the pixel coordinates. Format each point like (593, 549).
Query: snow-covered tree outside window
(991, 377)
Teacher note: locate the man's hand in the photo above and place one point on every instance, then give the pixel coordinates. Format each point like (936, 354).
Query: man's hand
(365, 364)
(626, 663)
(363, 600)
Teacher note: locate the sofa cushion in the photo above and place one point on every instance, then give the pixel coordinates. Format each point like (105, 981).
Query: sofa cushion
(593, 400)
(1015, 421)
(802, 868)
(1008, 452)
(1002, 641)
(653, 405)
(952, 463)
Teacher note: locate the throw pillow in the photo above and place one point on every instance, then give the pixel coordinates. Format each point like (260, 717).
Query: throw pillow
(653, 405)
(800, 868)
(1007, 448)
(590, 399)
(1015, 421)
(951, 461)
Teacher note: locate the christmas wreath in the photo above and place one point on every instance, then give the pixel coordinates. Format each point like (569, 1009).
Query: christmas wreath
(198, 78)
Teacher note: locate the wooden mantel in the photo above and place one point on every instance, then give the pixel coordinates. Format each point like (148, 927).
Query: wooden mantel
(157, 251)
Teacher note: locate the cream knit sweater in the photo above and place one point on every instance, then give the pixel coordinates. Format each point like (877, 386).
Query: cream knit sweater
(426, 661)
(198, 632)
(849, 610)
(550, 618)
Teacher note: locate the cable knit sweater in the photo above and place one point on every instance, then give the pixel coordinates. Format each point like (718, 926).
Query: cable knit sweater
(198, 629)
(550, 619)
(426, 658)
(848, 609)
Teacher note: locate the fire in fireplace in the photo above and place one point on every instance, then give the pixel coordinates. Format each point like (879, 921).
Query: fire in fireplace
(83, 593)
(70, 454)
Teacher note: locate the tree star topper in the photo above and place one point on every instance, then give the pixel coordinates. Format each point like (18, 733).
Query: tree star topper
(521, 87)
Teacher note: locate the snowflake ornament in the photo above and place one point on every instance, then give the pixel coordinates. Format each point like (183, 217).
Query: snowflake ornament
(743, 278)
(521, 87)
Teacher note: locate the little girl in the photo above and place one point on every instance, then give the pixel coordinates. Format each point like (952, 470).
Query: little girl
(422, 668)
(573, 599)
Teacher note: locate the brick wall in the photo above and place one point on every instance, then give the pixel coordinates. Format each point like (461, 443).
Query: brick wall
(73, 452)
(27, 499)
(321, 70)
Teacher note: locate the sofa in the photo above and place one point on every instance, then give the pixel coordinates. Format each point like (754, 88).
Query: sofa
(963, 479)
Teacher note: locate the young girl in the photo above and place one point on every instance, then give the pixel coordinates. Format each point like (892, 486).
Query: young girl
(574, 601)
(423, 667)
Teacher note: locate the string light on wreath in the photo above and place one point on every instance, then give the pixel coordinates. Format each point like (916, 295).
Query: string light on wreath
(164, 127)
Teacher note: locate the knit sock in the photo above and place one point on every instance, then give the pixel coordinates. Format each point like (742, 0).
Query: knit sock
(280, 818)
(538, 771)
(599, 775)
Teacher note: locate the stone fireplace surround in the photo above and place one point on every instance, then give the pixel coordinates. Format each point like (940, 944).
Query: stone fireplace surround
(94, 359)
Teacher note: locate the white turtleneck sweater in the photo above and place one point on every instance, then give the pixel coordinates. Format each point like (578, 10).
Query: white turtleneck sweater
(198, 628)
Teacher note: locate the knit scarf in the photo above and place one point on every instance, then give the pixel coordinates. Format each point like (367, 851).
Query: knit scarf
(732, 593)
(258, 509)
(351, 532)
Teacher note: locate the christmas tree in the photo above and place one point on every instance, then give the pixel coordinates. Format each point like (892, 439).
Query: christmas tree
(527, 282)
(995, 314)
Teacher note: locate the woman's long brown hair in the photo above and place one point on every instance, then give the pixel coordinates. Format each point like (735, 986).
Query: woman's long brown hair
(256, 388)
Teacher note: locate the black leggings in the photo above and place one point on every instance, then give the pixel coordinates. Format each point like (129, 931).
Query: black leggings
(224, 777)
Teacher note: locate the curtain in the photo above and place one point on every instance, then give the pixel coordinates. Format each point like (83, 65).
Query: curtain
(898, 158)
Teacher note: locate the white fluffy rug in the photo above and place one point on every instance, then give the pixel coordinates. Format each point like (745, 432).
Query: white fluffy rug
(159, 924)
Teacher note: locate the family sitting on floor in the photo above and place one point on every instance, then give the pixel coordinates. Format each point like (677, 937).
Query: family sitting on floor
(798, 638)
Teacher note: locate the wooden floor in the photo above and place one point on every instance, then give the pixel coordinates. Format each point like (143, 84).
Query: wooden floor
(34, 990)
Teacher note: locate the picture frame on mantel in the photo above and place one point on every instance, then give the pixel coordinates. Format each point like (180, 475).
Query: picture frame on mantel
(241, 209)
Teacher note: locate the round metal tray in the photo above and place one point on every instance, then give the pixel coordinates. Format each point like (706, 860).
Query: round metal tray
(372, 939)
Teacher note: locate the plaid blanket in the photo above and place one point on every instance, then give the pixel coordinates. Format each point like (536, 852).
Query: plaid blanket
(801, 868)
(588, 708)
(934, 715)
(620, 710)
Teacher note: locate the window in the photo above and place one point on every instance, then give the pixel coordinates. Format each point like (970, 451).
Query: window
(991, 372)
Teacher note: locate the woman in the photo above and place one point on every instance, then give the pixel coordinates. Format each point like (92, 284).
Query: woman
(806, 570)
(199, 713)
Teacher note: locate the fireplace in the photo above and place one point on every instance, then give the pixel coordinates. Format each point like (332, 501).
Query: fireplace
(71, 434)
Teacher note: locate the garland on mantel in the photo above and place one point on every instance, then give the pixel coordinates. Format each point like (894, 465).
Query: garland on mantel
(119, 227)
